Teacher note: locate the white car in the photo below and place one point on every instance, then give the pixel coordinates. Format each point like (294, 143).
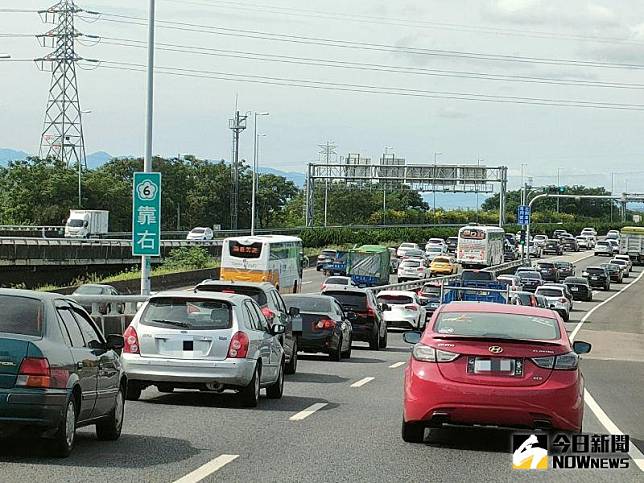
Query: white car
(337, 281)
(412, 269)
(582, 241)
(591, 240)
(627, 259)
(512, 281)
(557, 300)
(589, 231)
(433, 251)
(614, 244)
(603, 248)
(540, 240)
(405, 247)
(200, 234)
(614, 234)
(436, 241)
(405, 311)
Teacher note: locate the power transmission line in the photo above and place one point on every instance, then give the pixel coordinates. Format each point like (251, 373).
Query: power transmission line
(396, 69)
(335, 86)
(369, 46)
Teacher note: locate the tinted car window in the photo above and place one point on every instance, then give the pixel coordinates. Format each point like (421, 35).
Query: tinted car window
(549, 292)
(256, 294)
(90, 334)
(350, 300)
(596, 271)
(319, 305)
(475, 275)
(410, 263)
(89, 290)
(531, 275)
(495, 325)
(395, 299)
(184, 313)
(21, 315)
(73, 331)
(253, 319)
(337, 281)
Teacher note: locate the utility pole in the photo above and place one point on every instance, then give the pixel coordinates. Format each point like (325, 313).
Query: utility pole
(236, 125)
(62, 136)
(612, 189)
(558, 185)
(255, 175)
(327, 151)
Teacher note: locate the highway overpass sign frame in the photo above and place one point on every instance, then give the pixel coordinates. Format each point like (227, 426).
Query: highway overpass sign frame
(146, 215)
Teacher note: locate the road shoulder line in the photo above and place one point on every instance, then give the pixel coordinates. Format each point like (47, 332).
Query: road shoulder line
(307, 412)
(208, 469)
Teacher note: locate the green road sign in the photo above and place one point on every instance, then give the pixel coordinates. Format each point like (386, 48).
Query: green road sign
(146, 215)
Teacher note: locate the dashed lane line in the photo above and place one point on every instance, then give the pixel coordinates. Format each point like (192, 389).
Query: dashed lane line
(208, 469)
(362, 382)
(397, 364)
(307, 412)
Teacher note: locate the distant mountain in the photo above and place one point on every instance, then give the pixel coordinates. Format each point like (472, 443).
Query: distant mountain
(7, 155)
(98, 159)
(298, 178)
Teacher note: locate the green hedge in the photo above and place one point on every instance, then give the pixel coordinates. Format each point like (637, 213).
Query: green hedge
(321, 237)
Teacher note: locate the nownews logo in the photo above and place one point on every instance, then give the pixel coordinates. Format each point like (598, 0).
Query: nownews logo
(570, 451)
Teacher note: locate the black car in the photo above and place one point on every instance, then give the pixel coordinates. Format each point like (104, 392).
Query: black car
(430, 297)
(530, 280)
(326, 256)
(569, 243)
(597, 277)
(273, 308)
(369, 325)
(510, 253)
(452, 244)
(553, 246)
(565, 269)
(57, 371)
(471, 275)
(326, 327)
(548, 271)
(579, 288)
(614, 272)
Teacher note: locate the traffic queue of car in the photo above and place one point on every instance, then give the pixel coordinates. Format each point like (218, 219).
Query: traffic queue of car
(58, 371)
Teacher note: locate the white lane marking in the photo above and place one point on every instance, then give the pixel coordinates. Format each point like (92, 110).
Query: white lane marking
(307, 412)
(208, 469)
(306, 283)
(589, 313)
(635, 454)
(362, 382)
(397, 364)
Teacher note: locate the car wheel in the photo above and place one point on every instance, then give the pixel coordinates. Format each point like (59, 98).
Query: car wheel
(110, 428)
(275, 390)
(336, 355)
(249, 395)
(291, 367)
(383, 341)
(413, 432)
(65, 436)
(374, 340)
(133, 391)
(347, 354)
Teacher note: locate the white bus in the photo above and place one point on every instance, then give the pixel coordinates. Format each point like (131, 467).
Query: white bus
(263, 258)
(480, 246)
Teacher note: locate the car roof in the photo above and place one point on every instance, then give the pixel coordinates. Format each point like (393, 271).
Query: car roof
(490, 307)
(297, 296)
(44, 296)
(101, 285)
(345, 288)
(191, 294)
(260, 285)
(409, 293)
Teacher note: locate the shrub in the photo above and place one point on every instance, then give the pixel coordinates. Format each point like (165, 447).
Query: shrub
(194, 258)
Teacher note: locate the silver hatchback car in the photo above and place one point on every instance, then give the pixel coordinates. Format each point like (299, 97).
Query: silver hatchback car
(207, 341)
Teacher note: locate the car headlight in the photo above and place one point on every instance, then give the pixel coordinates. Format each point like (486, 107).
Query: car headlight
(425, 353)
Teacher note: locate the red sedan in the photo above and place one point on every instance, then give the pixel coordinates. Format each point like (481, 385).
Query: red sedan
(493, 364)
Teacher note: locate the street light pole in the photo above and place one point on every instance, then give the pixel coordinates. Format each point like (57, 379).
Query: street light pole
(147, 160)
(558, 185)
(384, 189)
(254, 190)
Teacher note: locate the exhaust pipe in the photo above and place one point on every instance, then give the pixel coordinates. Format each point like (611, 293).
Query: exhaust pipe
(542, 424)
(216, 387)
(438, 419)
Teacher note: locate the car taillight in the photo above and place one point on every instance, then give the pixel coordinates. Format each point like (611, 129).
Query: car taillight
(563, 300)
(425, 353)
(411, 307)
(238, 348)
(420, 269)
(322, 287)
(371, 312)
(131, 341)
(34, 372)
(324, 324)
(564, 362)
(268, 313)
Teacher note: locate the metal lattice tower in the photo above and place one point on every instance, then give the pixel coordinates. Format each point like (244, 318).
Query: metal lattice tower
(62, 136)
(237, 125)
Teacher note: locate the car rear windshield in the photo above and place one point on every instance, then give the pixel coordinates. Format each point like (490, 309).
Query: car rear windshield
(328, 253)
(576, 281)
(475, 275)
(545, 265)
(494, 325)
(256, 294)
(316, 305)
(618, 261)
(89, 290)
(603, 243)
(563, 264)
(21, 315)
(523, 275)
(198, 231)
(407, 245)
(350, 300)
(434, 249)
(430, 290)
(596, 271)
(441, 260)
(187, 313)
(395, 299)
(337, 281)
(549, 292)
(410, 263)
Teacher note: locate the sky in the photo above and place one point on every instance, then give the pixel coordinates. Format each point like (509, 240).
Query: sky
(407, 40)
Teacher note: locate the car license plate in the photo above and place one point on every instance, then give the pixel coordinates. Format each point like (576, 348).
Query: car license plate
(594, 278)
(574, 289)
(493, 365)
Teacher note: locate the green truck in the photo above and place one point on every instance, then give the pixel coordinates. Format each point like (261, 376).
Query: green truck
(369, 265)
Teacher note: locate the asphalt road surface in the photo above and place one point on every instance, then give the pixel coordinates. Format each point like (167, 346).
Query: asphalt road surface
(340, 421)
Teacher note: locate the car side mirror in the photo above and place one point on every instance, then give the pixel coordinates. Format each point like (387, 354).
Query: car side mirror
(412, 337)
(580, 347)
(277, 329)
(293, 311)
(115, 342)
(85, 224)
(351, 316)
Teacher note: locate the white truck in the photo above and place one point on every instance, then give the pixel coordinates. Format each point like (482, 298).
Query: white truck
(87, 224)
(631, 243)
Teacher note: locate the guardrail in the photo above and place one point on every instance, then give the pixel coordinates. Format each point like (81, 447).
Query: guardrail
(112, 313)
